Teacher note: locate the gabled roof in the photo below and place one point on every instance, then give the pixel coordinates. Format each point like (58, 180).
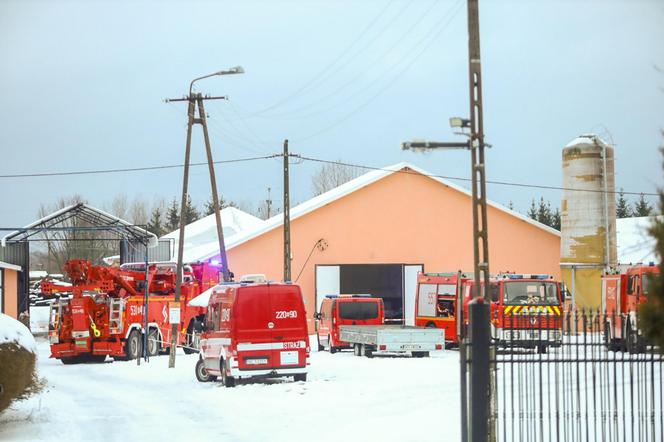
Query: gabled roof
(200, 237)
(353, 186)
(96, 218)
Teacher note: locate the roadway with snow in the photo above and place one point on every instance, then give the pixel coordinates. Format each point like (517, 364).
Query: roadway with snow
(345, 398)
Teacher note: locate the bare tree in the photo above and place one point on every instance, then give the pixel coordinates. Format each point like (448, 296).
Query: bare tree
(139, 211)
(332, 175)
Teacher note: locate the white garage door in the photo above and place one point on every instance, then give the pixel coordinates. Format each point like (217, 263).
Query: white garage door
(327, 283)
(409, 291)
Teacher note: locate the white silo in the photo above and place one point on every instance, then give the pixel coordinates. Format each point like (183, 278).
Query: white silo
(588, 217)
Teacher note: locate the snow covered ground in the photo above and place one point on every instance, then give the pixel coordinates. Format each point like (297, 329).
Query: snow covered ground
(346, 398)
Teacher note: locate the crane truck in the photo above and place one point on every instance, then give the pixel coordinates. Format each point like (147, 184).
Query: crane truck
(105, 315)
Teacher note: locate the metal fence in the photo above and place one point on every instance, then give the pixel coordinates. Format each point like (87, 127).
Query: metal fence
(597, 381)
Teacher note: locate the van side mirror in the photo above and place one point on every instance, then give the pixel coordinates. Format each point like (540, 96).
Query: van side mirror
(317, 316)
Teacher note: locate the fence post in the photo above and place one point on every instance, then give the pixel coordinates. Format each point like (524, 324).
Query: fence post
(480, 339)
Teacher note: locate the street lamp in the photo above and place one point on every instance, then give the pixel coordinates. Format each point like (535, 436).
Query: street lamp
(231, 71)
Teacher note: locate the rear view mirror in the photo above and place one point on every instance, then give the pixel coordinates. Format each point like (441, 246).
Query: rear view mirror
(317, 316)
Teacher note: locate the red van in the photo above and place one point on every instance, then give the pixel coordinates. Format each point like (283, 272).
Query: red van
(336, 310)
(254, 330)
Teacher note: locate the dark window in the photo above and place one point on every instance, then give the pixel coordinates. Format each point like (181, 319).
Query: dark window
(381, 281)
(358, 310)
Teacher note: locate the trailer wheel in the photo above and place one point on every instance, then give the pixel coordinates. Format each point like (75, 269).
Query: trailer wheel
(202, 374)
(227, 381)
(365, 350)
(133, 345)
(356, 350)
(153, 342)
(300, 377)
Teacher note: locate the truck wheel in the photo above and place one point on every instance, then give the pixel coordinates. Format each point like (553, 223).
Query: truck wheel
(300, 377)
(227, 381)
(541, 349)
(153, 342)
(332, 349)
(631, 339)
(70, 360)
(430, 325)
(202, 374)
(356, 349)
(610, 345)
(133, 345)
(193, 337)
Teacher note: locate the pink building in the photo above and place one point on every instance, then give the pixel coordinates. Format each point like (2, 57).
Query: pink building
(374, 233)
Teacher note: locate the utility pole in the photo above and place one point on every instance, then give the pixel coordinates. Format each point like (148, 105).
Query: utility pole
(287, 244)
(268, 203)
(196, 100)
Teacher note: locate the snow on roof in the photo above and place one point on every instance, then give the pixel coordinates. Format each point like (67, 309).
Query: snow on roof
(200, 237)
(37, 274)
(350, 187)
(633, 240)
(585, 139)
(6, 265)
(13, 331)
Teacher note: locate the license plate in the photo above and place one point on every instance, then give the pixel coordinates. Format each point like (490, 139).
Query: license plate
(410, 347)
(262, 361)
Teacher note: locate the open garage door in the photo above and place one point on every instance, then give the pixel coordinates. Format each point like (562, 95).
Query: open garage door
(395, 283)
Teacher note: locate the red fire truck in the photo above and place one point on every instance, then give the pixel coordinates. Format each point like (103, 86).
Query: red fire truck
(526, 310)
(622, 294)
(254, 330)
(338, 310)
(105, 315)
(436, 301)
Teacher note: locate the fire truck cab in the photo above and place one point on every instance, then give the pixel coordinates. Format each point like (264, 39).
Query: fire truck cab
(338, 310)
(622, 294)
(254, 330)
(526, 310)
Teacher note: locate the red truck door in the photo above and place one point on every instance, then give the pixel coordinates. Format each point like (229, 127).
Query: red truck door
(253, 325)
(289, 329)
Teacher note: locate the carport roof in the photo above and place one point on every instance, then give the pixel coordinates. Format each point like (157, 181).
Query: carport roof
(96, 218)
(357, 184)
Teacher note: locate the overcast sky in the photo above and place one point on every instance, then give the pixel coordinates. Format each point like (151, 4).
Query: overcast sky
(82, 86)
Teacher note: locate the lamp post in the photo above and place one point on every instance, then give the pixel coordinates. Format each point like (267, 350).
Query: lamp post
(194, 100)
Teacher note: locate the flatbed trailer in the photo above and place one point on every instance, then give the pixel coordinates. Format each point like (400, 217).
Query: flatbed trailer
(368, 340)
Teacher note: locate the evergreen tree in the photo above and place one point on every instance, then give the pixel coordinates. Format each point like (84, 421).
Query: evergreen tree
(532, 212)
(208, 209)
(622, 206)
(642, 207)
(544, 212)
(652, 311)
(155, 224)
(555, 219)
(190, 212)
(173, 216)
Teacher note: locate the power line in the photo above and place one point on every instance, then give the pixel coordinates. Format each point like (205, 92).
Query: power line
(501, 183)
(316, 160)
(132, 169)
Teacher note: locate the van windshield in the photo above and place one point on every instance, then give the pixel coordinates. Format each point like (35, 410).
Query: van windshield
(531, 293)
(358, 310)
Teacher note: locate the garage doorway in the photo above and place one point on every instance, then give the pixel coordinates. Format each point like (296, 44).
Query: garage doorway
(395, 283)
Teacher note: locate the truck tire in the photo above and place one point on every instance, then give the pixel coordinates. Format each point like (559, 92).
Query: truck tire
(332, 349)
(202, 374)
(542, 349)
(227, 381)
(153, 342)
(133, 347)
(70, 360)
(300, 377)
(193, 337)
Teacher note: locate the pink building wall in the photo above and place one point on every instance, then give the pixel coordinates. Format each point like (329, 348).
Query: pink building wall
(402, 218)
